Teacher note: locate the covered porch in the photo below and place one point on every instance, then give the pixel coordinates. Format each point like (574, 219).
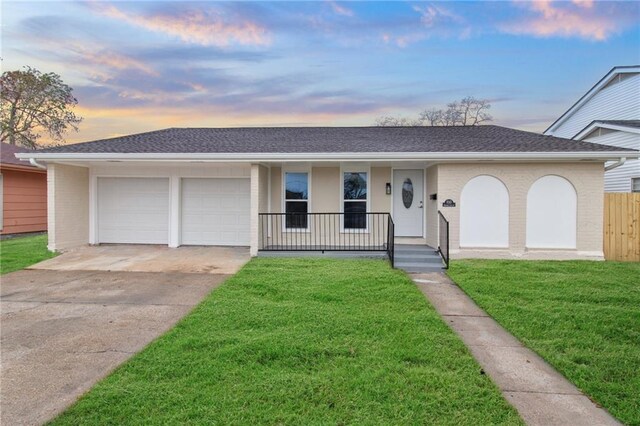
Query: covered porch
(346, 209)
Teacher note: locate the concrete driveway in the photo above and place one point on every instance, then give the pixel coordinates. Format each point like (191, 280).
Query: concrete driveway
(65, 329)
(149, 258)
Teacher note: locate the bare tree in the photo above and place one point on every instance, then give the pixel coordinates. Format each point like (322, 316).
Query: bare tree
(432, 117)
(474, 111)
(389, 121)
(468, 111)
(33, 102)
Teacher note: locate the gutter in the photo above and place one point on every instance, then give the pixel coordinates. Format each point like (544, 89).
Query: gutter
(36, 164)
(615, 165)
(333, 156)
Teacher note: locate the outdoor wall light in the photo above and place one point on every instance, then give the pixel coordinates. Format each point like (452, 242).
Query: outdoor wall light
(388, 188)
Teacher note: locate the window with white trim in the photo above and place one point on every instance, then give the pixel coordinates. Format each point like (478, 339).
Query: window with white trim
(635, 184)
(354, 200)
(296, 196)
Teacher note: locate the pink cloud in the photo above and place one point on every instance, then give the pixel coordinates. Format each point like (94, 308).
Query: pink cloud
(584, 3)
(115, 61)
(403, 40)
(578, 18)
(434, 20)
(432, 15)
(204, 27)
(339, 9)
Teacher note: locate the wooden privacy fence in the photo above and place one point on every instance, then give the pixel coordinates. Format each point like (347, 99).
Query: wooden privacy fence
(622, 226)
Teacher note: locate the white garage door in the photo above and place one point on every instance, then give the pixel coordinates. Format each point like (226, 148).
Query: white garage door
(215, 211)
(133, 210)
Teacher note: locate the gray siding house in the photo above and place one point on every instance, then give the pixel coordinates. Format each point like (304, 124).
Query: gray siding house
(608, 114)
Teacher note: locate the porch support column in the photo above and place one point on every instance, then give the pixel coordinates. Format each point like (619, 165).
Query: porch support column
(174, 214)
(255, 209)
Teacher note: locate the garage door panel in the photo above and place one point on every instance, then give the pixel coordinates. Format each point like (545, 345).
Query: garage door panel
(133, 210)
(215, 211)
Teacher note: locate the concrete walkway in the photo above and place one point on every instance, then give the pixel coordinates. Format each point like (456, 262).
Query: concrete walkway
(541, 395)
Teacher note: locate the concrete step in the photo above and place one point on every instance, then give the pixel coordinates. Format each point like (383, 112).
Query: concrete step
(418, 252)
(414, 263)
(415, 250)
(417, 258)
(426, 257)
(414, 247)
(419, 267)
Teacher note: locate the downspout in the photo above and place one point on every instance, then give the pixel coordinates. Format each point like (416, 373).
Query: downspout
(36, 164)
(615, 165)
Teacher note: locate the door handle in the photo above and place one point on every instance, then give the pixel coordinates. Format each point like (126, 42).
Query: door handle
(420, 206)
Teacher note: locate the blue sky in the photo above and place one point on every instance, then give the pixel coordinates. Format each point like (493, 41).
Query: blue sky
(138, 66)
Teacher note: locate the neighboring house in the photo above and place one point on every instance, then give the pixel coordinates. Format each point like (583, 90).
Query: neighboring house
(23, 193)
(609, 114)
(506, 193)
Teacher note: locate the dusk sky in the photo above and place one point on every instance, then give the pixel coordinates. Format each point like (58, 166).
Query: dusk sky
(138, 66)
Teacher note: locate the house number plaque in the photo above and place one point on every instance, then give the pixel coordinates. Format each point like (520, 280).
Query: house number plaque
(448, 203)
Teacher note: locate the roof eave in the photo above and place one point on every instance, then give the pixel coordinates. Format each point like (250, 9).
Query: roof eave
(21, 168)
(598, 124)
(342, 156)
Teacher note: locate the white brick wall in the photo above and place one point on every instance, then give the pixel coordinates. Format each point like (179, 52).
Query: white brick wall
(587, 178)
(68, 206)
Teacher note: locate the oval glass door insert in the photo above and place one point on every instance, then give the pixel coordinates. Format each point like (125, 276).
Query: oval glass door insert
(407, 193)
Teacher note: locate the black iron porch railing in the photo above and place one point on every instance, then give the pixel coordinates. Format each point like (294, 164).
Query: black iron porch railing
(443, 238)
(391, 241)
(327, 232)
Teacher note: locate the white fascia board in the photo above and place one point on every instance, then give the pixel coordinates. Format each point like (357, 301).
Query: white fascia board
(596, 124)
(342, 156)
(590, 94)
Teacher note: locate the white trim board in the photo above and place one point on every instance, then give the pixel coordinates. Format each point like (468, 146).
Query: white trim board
(598, 124)
(331, 156)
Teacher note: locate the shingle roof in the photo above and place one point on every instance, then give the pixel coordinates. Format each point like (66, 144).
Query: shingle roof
(333, 140)
(7, 156)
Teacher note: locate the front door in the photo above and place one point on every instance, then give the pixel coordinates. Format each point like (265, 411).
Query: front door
(408, 202)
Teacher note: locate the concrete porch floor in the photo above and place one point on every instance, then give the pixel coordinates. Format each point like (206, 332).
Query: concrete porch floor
(149, 258)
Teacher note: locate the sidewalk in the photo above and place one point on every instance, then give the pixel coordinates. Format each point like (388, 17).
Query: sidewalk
(541, 395)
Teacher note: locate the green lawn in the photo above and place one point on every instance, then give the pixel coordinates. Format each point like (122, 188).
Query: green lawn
(302, 341)
(582, 317)
(20, 252)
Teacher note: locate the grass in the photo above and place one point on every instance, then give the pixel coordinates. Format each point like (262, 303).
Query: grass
(582, 317)
(302, 341)
(20, 252)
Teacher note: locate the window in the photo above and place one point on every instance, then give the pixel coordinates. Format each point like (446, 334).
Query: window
(296, 200)
(635, 184)
(354, 201)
